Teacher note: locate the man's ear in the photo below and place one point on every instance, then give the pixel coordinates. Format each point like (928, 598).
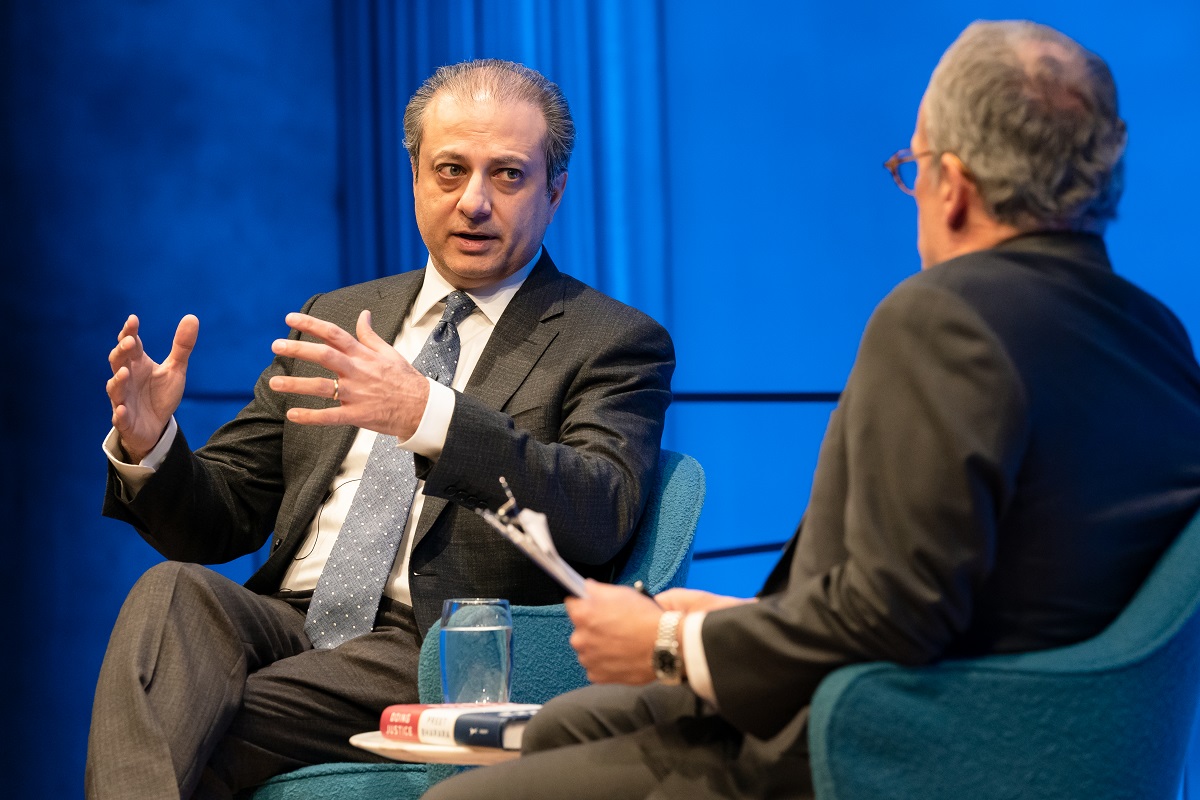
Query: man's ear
(557, 187)
(957, 191)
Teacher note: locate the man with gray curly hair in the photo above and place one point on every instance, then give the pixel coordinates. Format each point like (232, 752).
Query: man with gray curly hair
(1017, 444)
(1050, 154)
(1034, 115)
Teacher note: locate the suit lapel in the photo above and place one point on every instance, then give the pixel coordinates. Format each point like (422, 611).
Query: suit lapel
(524, 331)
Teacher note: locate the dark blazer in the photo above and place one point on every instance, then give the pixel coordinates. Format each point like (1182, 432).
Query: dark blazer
(567, 402)
(1017, 443)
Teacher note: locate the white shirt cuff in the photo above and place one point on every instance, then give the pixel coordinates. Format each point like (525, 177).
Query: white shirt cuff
(430, 435)
(695, 664)
(134, 476)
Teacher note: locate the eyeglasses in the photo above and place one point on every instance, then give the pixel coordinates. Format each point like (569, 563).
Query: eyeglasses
(903, 166)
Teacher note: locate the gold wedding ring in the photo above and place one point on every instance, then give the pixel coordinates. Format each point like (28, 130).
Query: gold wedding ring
(336, 390)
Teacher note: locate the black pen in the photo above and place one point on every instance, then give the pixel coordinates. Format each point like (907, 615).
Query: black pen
(641, 587)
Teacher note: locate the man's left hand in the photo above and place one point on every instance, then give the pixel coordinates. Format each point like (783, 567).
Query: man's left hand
(376, 387)
(615, 629)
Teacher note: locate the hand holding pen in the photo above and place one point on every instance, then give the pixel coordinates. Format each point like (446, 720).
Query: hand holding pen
(641, 587)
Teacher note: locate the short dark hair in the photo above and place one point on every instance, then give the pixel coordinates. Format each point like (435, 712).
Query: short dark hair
(504, 81)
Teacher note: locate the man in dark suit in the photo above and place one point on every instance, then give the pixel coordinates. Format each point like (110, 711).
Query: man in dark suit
(207, 686)
(1017, 443)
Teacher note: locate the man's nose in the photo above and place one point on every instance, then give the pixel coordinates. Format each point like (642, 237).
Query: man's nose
(476, 202)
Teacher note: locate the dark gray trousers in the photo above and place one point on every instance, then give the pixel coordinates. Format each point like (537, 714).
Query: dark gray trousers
(207, 688)
(622, 743)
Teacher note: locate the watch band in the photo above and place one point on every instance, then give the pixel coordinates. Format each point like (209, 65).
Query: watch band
(668, 664)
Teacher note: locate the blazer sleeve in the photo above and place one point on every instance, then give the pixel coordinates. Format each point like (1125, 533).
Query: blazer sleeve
(590, 469)
(919, 461)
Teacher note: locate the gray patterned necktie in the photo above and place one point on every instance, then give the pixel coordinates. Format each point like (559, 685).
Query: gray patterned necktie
(347, 596)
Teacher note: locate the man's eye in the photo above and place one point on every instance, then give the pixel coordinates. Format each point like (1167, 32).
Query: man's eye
(450, 171)
(510, 174)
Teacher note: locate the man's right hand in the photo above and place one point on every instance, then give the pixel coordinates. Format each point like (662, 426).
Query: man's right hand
(144, 394)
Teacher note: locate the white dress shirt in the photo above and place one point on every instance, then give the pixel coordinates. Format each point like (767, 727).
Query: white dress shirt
(428, 440)
(695, 663)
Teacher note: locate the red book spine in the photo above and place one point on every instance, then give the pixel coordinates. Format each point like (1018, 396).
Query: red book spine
(400, 722)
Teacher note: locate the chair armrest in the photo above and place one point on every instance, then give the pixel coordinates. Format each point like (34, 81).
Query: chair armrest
(544, 665)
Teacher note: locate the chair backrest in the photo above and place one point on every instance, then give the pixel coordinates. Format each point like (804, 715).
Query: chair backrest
(544, 663)
(1109, 717)
(662, 545)
(1166, 603)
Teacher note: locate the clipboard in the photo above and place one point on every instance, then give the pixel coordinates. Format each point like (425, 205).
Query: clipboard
(529, 531)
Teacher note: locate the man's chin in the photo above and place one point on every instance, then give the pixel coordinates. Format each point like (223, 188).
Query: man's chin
(472, 272)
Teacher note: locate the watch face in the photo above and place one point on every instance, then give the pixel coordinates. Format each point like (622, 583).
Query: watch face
(667, 667)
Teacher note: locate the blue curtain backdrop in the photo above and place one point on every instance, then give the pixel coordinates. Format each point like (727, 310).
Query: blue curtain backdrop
(230, 158)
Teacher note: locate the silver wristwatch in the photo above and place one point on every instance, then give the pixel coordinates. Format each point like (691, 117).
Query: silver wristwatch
(668, 664)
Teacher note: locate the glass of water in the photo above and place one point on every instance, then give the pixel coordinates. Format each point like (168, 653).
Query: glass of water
(476, 650)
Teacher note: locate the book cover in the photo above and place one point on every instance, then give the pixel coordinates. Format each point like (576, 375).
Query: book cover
(438, 723)
(501, 728)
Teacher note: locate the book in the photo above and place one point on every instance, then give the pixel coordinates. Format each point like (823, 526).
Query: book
(472, 724)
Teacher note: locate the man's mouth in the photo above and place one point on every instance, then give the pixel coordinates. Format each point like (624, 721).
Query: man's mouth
(474, 243)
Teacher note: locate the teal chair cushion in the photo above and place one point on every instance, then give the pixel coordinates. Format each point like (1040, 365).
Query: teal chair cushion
(347, 782)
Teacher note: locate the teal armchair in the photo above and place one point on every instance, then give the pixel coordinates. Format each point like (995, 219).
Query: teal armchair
(1104, 719)
(544, 665)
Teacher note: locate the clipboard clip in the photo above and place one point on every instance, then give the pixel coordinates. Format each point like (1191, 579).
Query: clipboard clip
(529, 531)
(509, 510)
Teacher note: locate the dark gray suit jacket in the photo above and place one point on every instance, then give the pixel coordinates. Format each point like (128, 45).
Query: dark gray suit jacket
(1017, 443)
(567, 402)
